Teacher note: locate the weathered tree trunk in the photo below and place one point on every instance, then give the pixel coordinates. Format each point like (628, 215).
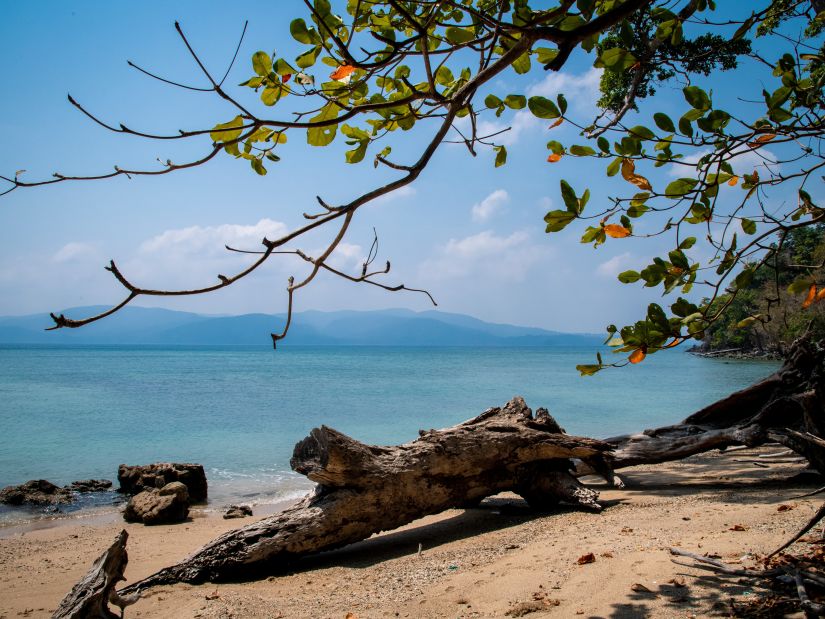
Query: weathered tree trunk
(793, 398)
(364, 489)
(90, 597)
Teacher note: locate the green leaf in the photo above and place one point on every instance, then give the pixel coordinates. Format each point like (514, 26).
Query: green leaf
(688, 243)
(457, 36)
(522, 63)
(282, 67)
(800, 285)
(258, 166)
(640, 131)
(545, 54)
(543, 108)
(299, 31)
(697, 97)
(227, 132)
(492, 101)
(562, 101)
(501, 156)
(744, 278)
(615, 59)
(272, 94)
(748, 226)
(558, 220)
(308, 58)
(515, 102)
(569, 197)
(322, 136)
(629, 277)
(581, 151)
(685, 127)
(613, 168)
(588, 369)
(444, 76)
(556, 147)
(261, 63)
(680, 187)
(356, 155)
(637, 210)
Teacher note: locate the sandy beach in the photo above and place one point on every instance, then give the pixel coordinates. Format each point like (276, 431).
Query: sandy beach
(498, 560)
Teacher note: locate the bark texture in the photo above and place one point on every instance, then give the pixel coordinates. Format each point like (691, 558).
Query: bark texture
(364, 489)
(89, 599)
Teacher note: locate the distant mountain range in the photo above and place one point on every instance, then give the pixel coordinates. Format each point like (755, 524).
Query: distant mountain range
(397, 327)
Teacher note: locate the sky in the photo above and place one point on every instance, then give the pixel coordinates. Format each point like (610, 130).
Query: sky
(471, 234)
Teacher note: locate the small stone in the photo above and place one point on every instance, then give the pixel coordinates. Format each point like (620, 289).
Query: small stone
(237, 511)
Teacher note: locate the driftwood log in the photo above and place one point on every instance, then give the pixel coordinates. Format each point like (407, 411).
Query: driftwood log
(90, 598)
(787, 407)
(364, 489)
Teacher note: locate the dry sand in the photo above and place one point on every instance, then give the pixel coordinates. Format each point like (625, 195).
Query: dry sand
(486, 562)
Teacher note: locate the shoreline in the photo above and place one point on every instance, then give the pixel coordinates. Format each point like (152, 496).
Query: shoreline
(485, 562)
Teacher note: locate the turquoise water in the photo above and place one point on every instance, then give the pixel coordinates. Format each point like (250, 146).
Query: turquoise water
(75, 413)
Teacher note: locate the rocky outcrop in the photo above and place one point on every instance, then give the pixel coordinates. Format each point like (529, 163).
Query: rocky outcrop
(237, 511)
(90, 485)
(135, 479)
(167, 505)
(35, 492)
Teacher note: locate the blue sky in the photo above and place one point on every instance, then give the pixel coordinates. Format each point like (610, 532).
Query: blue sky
(471, 234)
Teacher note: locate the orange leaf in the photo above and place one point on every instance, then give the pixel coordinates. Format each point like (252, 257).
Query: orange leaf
(761, 139)
(585, 559)
(676, 341)
(616, 231)
(637, 356)
(629, 174)
(820, 295)
(342, 72)
(810, 298)
(286, 77)
(732, 182)
(554, 158)
(557, 123)
(628, 169)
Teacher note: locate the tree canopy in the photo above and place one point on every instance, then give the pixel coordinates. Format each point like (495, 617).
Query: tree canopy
(374, 70)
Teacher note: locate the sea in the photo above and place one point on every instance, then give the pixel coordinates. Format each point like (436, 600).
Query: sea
(70, 413)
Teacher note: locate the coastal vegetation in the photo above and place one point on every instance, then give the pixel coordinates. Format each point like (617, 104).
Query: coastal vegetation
(765, 317)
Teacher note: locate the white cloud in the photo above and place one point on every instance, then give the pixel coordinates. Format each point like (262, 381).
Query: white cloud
(522, 121)
(489, 206)
(615, 265)
(345, 255)
(209, 240)
(74, 251)
(580, 89)
(509, 257)
(745, 161)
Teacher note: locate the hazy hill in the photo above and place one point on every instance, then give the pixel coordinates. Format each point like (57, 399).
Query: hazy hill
(141, 325)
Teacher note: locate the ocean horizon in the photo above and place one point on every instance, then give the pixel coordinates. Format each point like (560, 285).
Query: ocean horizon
(77, 412)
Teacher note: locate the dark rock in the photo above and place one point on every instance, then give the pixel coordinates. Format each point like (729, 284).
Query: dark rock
(237, 511)
(135, 479)
(35, 492)
(167, 505)
(90, 485)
